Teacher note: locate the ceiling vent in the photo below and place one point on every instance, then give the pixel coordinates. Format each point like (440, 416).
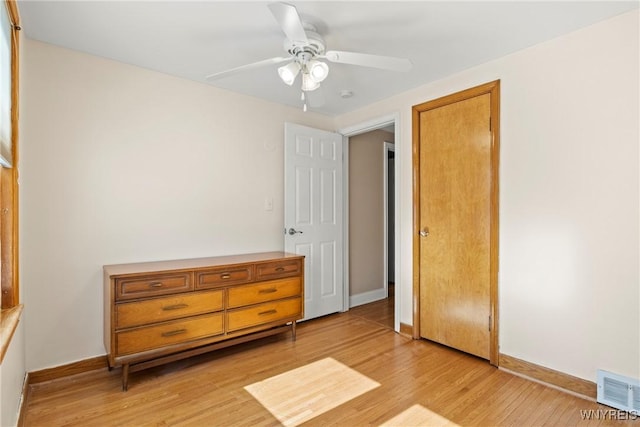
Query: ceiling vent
(618, 391)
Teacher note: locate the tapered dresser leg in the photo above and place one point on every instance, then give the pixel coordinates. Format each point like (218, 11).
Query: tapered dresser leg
(125, 377)
(293, 330)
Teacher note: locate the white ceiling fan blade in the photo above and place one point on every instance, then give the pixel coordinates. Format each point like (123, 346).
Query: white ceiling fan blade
(247, 67)
(366, 60)
(288, 18)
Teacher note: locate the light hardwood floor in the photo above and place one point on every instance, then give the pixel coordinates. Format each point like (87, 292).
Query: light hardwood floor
(381, 311)
(415, 377)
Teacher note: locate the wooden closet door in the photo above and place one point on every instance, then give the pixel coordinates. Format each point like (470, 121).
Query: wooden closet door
(454, 225)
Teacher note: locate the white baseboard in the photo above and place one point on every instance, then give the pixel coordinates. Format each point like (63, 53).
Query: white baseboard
(367, 297)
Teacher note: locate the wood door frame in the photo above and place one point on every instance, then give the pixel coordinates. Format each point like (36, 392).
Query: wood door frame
(492, 88)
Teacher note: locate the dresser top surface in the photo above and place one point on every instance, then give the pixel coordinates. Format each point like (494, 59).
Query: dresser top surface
(195, 263)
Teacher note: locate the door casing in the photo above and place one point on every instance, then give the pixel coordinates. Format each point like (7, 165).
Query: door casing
(492, 88)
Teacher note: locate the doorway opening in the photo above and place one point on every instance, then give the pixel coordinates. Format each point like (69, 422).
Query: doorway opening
(390, 217)
(371, 244)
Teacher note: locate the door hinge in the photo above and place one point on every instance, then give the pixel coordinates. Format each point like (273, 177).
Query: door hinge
(490, 125)
(489, 323)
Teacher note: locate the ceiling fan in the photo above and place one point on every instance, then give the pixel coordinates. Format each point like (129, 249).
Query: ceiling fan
(306, 49)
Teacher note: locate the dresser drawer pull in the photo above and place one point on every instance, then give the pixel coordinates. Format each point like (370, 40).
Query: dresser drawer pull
(264, 313)
(175, 307)
(267, 291)
(175, 332)
(225, 276)
(280, 269)
(155, 285)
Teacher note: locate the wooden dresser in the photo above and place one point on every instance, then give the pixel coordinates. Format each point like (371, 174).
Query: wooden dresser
(158, 312)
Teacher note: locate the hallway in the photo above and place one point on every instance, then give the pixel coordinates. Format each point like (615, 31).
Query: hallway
(380, 312)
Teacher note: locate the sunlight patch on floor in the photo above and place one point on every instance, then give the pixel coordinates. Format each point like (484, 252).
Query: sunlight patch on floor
(301, 394)
(417, 416)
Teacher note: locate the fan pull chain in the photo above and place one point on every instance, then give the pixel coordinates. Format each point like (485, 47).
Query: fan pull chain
(303, 99)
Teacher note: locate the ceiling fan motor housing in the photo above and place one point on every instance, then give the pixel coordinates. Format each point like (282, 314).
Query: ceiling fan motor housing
(303, 52)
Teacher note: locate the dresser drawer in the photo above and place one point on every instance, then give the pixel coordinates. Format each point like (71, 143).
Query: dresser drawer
(276, 269)
(239, 296)
(152, 337)
(167, 308)
(147, 286)
(263, 313)
(224, 276)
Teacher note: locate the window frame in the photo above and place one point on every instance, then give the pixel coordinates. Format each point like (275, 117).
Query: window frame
(10, 308)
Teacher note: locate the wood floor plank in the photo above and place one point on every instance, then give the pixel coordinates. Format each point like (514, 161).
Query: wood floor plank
(208, 390)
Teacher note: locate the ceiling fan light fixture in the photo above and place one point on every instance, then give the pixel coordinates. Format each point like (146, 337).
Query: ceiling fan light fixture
(308, 84)
(289, 72)
(318, 71)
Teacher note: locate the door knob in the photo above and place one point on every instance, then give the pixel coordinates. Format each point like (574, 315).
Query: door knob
(424, 232)
(293, 231)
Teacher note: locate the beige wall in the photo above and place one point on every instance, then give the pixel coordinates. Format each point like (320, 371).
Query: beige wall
(569, 197)
(121, 164)
(366, 214)
(12, 375)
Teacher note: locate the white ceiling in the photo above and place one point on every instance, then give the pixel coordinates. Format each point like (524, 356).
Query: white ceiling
(194, 39)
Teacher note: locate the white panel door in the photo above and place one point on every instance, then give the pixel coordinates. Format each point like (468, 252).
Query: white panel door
(313, 214)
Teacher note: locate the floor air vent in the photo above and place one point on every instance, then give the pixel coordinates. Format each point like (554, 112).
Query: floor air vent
(618, 391)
